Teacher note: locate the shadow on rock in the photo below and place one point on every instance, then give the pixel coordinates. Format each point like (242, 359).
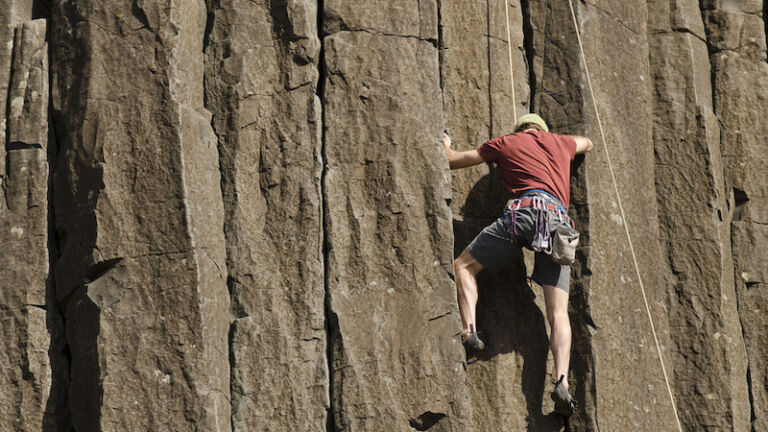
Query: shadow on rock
(508, 319)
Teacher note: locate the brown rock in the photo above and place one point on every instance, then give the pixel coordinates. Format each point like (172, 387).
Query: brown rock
(709, 360)
(736, 40)
(139, 218)
(261, 84)
(396, 358)
(25, 371)
(612, 335)
(507, 383)
(252, 219)
(12, 13)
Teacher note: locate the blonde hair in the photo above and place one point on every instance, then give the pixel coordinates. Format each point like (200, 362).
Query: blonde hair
(525, 126)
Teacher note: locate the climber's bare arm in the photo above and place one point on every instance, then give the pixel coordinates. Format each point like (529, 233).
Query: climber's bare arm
(583, 144)
(460, 159)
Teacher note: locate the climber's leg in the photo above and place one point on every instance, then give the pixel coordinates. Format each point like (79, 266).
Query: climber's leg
(466, 268)
(556, 300)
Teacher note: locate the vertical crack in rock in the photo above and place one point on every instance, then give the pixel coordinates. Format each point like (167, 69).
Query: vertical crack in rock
(736, 210)
(711, 49)
(490, 66)
(765, 25)
(220, 100)
(441, 52)
(530, 52)
(57, 406)
(216, 101)
(562, 102)
(331, 322)
(68, 98)
(744, 337)
(41, 9)
(752, 415)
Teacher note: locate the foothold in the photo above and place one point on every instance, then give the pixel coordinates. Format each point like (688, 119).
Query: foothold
(17, 104)
(592, 330)
(17, 231)
(99, 269)
(426, 420)
(752, 287)
(740, 199)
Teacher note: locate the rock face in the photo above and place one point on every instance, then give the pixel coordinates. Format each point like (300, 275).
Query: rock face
(231, 215)
(262, 60)
(702, 300)
(139, 219)
(737, 46)
(395, 360)
(25, 371)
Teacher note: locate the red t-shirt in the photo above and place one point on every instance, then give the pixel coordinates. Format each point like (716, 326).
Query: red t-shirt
(533, 160)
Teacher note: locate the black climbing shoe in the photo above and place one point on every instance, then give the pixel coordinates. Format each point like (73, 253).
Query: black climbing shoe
(473, 343)
(564, 404)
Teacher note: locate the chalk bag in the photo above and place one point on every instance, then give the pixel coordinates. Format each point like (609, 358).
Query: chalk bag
(564, 242)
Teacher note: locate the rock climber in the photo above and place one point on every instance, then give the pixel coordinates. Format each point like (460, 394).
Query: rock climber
(535, 167)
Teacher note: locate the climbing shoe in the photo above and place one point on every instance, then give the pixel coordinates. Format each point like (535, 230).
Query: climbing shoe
(564, 404)
(473, 343)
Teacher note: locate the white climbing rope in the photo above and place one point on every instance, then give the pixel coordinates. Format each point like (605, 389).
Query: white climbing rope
(623, 218)
(511, 73)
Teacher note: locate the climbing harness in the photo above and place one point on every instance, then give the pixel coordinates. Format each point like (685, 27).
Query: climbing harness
(623, 218)
(511, 73)
(560, 243)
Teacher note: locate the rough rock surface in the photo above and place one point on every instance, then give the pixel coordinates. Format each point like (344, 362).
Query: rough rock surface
(25, 372)
(507, 381)
(139, 219)
(12, 13)
(613, 320)
(736, 37)
(261, 85)
(690, 187)
(249, 223)
(396, 360)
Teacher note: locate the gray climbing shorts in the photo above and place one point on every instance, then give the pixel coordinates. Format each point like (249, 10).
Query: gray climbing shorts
(496, 246)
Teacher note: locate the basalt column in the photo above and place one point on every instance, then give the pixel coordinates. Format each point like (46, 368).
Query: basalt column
(261, 84)
(139, 218)
(616, 373)
(396, 356)
(736, 37)
(25, 370)
(709, 358)
(506, 381)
